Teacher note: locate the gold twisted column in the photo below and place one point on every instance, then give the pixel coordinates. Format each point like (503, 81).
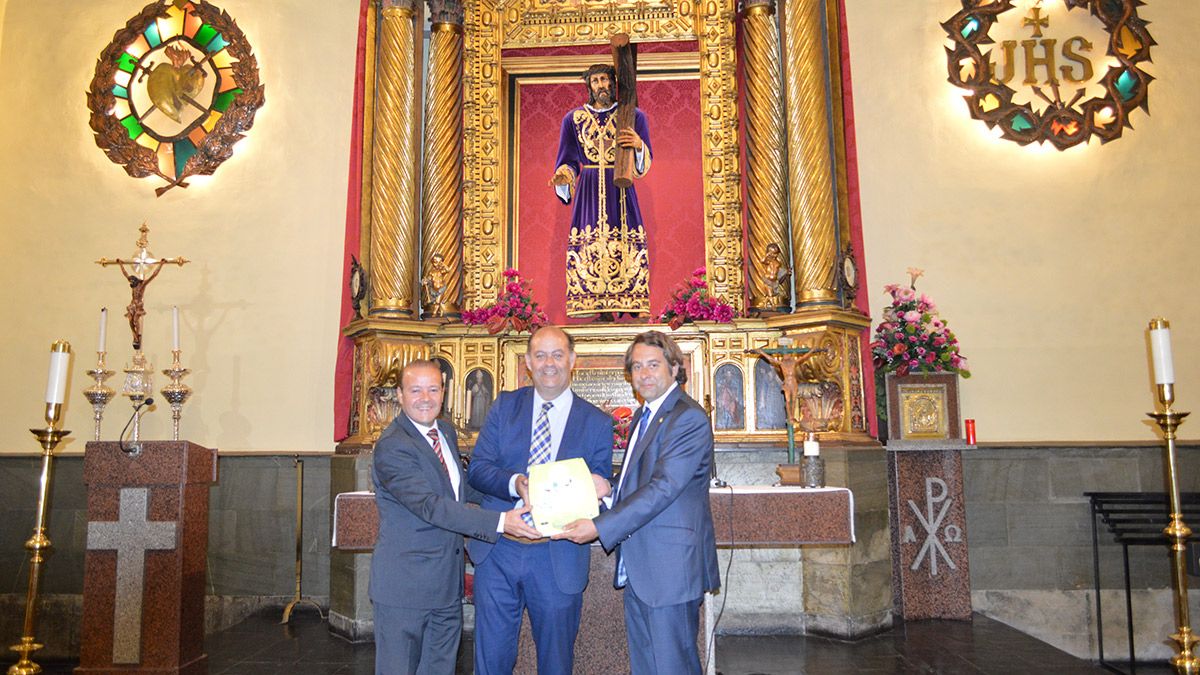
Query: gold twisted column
(766, 169)
(810, 165)
(441, 236)
(394, 164)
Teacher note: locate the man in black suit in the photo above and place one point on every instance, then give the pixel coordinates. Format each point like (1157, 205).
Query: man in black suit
(417, 570)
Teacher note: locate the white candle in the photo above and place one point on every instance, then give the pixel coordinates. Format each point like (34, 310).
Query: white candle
(175, 328)
(103, 328)
(812, 448)
(56, 383)
(1160, 351)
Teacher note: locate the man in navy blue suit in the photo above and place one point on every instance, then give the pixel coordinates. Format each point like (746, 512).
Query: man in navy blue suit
(532, 425)
(660, 523)
(416, 584)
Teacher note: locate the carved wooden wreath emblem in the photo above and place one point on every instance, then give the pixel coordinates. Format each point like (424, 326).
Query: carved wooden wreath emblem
(1064, 124)
(174, 91)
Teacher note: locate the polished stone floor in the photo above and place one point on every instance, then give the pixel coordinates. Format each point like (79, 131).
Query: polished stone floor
(260, 646)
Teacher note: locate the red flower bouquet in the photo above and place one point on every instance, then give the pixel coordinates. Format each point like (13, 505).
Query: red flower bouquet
(692, 301)
(514, 309)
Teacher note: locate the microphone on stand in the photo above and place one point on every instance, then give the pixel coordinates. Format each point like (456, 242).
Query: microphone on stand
(134, 448)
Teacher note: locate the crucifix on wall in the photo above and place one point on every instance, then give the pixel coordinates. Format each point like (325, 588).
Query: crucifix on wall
(142, 268)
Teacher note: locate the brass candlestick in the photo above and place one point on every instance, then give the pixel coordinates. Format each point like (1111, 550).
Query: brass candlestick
(1185, 660)
(176, 393)
(99, 394)
(139, 383)
(49, 438)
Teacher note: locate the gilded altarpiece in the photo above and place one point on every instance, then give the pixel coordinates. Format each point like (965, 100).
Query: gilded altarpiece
(489, 228)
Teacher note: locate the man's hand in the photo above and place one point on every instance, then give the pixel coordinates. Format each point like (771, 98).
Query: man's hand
(603, 487)
(563, 176)
(580, 531)
(515, 525)
(628, 138)
(522, 487)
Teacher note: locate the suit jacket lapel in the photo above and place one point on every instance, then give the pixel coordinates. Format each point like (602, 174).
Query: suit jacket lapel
(574, 429)
(452, 439)
(643, 441)
(422, 442)
(523, 428)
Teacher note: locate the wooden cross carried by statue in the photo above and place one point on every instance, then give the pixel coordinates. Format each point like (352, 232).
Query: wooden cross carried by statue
(625, 63)
(145, 267)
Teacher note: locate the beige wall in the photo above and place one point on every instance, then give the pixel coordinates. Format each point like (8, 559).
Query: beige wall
(1047, 264)
(260, 304)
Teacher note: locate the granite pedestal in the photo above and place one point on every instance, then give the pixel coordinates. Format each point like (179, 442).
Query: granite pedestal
(931, 579)
(144, 571)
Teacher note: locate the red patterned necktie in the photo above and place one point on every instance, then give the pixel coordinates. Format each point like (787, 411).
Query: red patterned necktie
(437, 449)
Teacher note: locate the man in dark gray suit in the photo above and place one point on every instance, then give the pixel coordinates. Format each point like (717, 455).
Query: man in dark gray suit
(417, 569)
(660, 522)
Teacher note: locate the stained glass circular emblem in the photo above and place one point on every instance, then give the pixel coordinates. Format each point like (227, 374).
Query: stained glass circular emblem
(174, 91)
(1070, 78)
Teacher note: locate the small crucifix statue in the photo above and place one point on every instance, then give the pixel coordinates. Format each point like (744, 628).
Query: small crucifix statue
(787, 360)
(143, 268)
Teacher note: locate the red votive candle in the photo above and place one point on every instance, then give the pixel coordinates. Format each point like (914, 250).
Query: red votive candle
(970, 424)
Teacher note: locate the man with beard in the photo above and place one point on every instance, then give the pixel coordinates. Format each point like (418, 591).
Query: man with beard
(607, 263)
(533, 425)
(660, 523)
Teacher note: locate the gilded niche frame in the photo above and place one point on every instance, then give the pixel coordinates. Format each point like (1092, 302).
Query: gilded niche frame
(492, 26)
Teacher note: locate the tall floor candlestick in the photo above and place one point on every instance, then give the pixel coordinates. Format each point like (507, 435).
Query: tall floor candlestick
(1177, 532)
(49, 438)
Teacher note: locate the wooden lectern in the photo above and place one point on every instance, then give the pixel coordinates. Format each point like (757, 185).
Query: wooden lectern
(144, 573)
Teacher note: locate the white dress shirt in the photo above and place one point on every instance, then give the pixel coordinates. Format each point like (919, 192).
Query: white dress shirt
(558, 425)
(649, 410)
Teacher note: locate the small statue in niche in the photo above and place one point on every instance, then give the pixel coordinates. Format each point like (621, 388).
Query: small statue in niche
(776, 274)
(434, 284)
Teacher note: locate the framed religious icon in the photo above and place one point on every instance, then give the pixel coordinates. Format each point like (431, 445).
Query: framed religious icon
(923, 406)
(174, 91)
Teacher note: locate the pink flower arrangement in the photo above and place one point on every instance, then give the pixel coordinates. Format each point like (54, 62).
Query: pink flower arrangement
(912, 338)
(514, 307)
(692, 301)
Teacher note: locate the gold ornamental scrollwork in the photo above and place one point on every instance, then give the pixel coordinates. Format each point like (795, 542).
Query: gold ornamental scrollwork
(546, 23)
(492, 27)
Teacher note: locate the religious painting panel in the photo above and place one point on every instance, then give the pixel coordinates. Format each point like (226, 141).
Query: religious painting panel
(448, 393)
(769, 408)
(729, 398)
(480, 390)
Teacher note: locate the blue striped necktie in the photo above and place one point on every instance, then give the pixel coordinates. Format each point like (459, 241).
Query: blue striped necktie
(539, 450)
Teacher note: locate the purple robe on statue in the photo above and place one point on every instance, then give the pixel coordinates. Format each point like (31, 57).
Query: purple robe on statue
(607, 264)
